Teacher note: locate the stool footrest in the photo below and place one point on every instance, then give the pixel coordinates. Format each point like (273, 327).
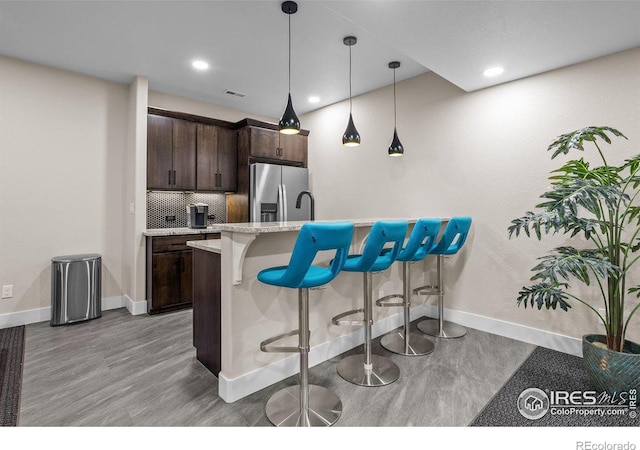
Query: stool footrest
(338, 320)
(267, 348)
(430, 289)
(384, 301)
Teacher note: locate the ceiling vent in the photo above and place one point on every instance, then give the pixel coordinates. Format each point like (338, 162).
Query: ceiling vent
(234, 93)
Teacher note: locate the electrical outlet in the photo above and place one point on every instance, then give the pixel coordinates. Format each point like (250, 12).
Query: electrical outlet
(132, 208)
(7, 291)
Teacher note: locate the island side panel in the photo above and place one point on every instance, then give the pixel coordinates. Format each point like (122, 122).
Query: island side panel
(206, 308)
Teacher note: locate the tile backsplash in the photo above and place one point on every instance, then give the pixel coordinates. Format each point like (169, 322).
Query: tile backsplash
(161, 205)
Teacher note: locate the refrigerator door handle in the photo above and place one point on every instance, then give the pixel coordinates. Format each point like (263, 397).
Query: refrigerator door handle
(280, 205)
(284, 202)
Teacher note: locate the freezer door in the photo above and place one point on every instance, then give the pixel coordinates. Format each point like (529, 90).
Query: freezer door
(294, 181)
(264, 192)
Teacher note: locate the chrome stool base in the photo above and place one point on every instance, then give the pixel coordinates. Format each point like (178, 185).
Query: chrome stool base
(449, 330)
(283, 408)
(418, 343)
(383, 371)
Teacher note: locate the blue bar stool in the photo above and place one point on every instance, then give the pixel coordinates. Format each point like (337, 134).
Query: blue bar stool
(450, 243)
(420, 243)
(306, 405)
(367, 369)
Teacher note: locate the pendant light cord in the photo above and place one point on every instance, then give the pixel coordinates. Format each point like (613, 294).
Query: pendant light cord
(350, 79)
(394, 100)
(289, 54)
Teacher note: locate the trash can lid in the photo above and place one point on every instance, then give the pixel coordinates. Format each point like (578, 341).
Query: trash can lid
(76, 258)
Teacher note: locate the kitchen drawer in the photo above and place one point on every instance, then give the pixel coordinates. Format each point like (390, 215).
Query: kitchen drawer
(174, 243)
(213, 236)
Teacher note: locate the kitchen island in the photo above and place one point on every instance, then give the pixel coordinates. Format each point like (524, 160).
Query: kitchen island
(249, 311)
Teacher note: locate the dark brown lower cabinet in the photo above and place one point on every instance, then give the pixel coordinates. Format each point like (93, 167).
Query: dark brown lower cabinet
(206, 309)
(170, 272)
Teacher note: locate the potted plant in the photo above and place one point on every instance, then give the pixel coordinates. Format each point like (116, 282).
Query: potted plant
(599, 208)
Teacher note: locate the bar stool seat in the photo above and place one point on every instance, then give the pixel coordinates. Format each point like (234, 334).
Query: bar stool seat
(452, 240)
(305, 404)
(420, 243)
(368, 369)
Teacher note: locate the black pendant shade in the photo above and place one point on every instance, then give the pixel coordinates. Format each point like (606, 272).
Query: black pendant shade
(289, 122)
(351, 137)
(396, 148)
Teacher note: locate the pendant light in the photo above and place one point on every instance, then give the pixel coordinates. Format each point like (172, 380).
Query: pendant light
(351, 137)
(396, 148)
(289, 122)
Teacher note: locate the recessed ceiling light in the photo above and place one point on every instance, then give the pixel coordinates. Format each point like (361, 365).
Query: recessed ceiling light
(314, 99)
(200, 65)
(493, 71)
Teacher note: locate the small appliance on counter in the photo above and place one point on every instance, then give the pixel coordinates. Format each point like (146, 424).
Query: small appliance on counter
(197, 215)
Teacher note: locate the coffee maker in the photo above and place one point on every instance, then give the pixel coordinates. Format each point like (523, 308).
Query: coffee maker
(197, 215)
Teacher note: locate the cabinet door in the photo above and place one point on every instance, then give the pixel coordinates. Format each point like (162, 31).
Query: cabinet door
(294, 147)
(207, 168)
(166, 279)
(185, 266)
(264, 143)
(172, 278)
(159, 152)
(228, 159)
(184, 155)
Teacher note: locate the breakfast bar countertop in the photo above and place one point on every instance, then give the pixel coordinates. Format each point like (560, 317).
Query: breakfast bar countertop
(277, 227)
(209, 245)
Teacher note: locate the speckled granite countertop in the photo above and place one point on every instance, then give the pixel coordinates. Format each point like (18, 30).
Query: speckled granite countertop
(277, 227)
(210, 245)
(178, 231)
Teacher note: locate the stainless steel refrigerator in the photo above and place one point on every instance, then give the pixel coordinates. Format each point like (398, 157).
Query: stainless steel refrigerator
(273, 191)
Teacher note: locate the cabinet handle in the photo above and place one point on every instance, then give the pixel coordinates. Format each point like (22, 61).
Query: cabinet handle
(174, 177)
(219, 180)
(169, 176)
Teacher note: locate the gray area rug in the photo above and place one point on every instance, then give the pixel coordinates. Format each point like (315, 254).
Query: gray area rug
(11, 359)
(552, 372)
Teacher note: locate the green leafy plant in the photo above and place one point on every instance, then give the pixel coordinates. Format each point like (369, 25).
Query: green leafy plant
(599, 205)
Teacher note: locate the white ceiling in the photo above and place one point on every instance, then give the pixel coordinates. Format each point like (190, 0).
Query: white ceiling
(245, 43)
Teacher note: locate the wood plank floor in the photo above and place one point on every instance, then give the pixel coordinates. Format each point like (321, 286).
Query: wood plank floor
(124, 370)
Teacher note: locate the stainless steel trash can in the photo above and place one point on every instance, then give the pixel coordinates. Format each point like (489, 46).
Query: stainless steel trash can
(76, 286)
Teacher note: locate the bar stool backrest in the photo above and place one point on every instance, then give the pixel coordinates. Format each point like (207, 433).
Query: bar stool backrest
(382, 232)
(315, 237)
(421, 241)
(448, 244)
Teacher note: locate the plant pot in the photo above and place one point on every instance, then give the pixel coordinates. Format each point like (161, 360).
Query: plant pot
(611, 371)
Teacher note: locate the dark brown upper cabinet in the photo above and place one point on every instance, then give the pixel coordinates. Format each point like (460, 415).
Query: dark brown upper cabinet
(171, 153)
(270, 144)
(217, 156)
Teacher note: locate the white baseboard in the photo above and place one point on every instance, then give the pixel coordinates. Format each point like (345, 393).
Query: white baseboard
(44, 314)
(542, 338)
(234, 389)
(135, 308)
